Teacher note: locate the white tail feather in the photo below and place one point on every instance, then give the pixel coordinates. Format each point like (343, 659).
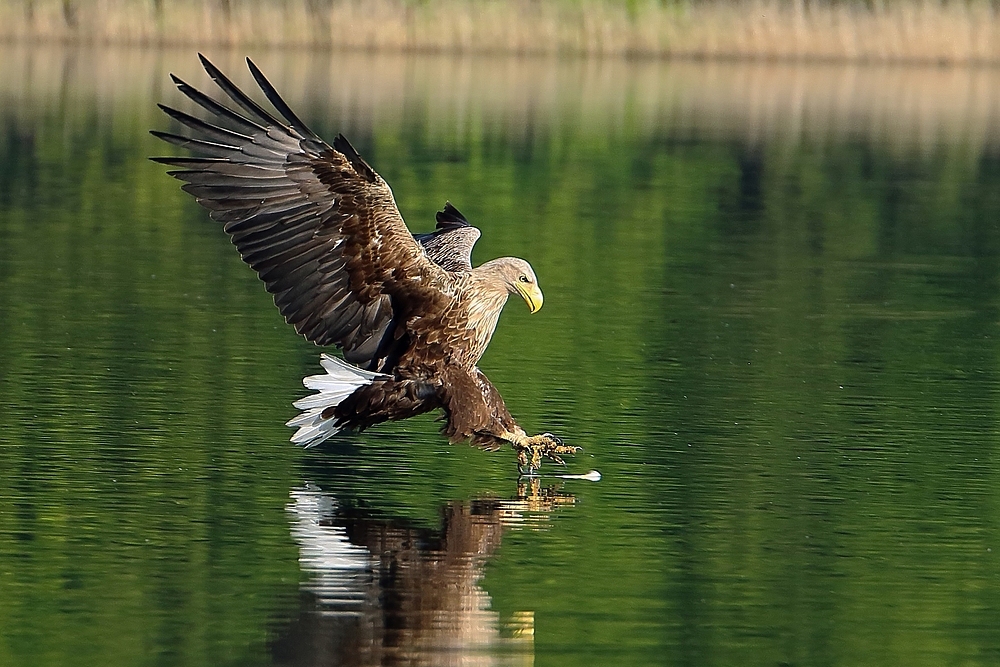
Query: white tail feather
(340, 381)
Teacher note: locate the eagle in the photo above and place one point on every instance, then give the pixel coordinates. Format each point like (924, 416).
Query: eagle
(321, 229)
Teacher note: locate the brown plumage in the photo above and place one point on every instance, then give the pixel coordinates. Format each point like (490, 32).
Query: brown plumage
(322, 231)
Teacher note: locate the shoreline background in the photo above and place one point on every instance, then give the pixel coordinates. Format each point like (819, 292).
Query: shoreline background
(910, 111)
(873, 31)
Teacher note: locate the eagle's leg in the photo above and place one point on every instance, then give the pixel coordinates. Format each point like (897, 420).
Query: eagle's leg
(476, 412)
(531, 449)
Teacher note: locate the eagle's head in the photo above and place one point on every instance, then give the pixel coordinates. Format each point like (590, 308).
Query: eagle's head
(519, 278)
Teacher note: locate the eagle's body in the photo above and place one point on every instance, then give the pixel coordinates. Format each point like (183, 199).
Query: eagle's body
(321, 229)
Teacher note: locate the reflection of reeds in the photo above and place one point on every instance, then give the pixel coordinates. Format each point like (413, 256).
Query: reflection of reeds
(912, 31)
(905, 107)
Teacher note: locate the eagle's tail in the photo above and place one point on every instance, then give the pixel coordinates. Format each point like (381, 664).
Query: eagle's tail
(340, 381)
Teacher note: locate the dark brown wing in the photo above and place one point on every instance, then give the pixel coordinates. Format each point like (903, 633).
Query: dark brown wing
(450, 245)
(315, 222)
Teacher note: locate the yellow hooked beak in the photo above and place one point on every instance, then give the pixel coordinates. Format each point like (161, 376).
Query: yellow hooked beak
(531, 295)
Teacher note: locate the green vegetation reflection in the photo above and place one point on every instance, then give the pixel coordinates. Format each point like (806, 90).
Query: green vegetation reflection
(781, 356)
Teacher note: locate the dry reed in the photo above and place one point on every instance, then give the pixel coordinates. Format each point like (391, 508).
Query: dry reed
(905, 108)
(907, 31)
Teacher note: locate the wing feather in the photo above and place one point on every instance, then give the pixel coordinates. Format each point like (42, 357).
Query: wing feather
(255, 111)
(219, 134)
(450, 245)
(318, 225)
(216, 109)
(274, 98)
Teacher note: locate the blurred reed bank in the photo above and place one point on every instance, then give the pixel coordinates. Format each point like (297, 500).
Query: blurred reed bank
(900, 108)
(871, 31)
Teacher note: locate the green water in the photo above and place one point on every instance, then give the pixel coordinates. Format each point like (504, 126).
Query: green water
(778, 346)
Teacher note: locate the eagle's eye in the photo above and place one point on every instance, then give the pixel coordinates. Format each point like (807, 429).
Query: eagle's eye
(523, 279)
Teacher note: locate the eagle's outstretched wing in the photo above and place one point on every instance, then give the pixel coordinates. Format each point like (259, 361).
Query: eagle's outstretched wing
(315, 222)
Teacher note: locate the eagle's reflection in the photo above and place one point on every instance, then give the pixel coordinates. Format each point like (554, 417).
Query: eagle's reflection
(381, 592)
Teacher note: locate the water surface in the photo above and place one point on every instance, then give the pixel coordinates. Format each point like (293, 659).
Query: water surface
(771, 320)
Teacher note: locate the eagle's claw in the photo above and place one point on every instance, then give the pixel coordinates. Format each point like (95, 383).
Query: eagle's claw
(531, 450)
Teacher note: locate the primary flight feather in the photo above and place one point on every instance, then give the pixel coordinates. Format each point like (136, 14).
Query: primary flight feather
(321, 229)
